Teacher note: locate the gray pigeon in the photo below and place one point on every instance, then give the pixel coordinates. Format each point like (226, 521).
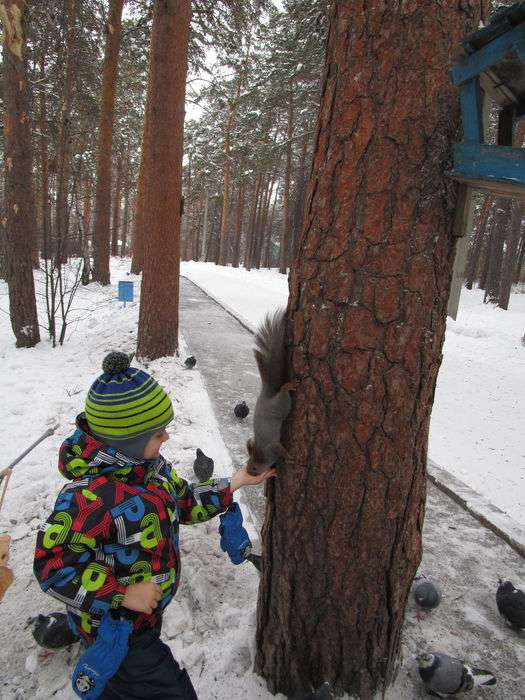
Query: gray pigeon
(203, 466)
(52, 631)
(511, 604)
(427, 595)
(445, 675)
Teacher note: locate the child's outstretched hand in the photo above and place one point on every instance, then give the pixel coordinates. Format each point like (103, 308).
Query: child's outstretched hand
(242, 478)
(142, 597)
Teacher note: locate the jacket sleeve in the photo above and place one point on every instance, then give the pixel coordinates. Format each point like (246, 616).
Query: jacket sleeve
(197, 503)
(70, 563)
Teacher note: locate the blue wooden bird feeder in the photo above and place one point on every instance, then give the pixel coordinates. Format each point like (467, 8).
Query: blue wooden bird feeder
(493, 66)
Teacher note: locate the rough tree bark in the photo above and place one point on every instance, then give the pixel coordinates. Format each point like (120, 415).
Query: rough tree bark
(366, 321)
(19, 217)
(158, 316)
(101, 223)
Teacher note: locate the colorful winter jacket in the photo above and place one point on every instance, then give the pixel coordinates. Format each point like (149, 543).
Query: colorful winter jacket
(116, 523)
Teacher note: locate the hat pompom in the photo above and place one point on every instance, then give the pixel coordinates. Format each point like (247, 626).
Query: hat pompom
(115, 362)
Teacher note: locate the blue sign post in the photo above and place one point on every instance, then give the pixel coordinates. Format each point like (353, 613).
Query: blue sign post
(125, 291)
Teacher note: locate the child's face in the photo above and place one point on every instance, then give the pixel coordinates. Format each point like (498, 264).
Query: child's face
(153, 445)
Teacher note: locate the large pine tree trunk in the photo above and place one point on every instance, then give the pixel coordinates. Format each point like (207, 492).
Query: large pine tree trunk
(158, 317)
(19, 218)
(367, 310)
(101, 224)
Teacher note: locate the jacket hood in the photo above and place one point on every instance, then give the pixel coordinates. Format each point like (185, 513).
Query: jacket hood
(82, 455)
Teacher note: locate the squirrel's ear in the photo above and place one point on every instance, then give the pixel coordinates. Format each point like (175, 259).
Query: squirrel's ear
(250, 447)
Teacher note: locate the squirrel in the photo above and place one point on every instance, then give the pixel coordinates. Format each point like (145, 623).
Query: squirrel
(274, 401)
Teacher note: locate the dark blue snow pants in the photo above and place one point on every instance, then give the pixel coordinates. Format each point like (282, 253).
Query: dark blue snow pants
(149, 672)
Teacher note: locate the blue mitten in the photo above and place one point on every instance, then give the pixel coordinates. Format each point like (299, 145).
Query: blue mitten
(102, 659)
(234, 538)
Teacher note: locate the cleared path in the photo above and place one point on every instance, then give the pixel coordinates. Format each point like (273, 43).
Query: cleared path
(224, 352)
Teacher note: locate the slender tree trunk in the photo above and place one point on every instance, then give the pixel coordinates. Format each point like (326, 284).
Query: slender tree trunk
(158, 317)
(495, 251)
(511, 250)
(64, 138)
(211, 235)
(204, 223)
(474, 255)
(239, 211)
(248, 251)
(116, 209)
(230, 121)
(261, 236)
(285, 236)
(125, 222)
(19, 219)
(257, 240)
(366, 322)
(101, 225)
(513, 238)
(297, 218)
(139, 234)
(44, 166)
(268, 250)
(521, 255)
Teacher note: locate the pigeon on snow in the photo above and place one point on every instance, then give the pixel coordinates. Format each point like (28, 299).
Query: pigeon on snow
(241, 410)
(190, 362)
(511, 604)
(52, 631)
(203, 466)
(427, 594)
(445, 675)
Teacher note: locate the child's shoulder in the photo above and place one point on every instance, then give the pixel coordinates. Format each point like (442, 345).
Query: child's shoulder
(102, 487)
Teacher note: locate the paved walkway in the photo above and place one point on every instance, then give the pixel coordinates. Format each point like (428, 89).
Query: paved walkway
(224, 352)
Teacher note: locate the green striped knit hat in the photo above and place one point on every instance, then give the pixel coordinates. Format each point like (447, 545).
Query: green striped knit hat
(125, 406)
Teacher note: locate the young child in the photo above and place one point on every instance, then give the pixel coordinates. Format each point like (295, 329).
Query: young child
(110, 547)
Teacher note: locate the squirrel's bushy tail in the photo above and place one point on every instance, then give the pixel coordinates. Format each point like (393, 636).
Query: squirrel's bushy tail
(270, 350)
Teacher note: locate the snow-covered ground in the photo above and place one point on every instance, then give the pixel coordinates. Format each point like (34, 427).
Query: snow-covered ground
(478, 420)
(210, 626)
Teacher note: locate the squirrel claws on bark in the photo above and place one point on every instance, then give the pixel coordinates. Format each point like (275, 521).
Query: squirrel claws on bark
(274, 401)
